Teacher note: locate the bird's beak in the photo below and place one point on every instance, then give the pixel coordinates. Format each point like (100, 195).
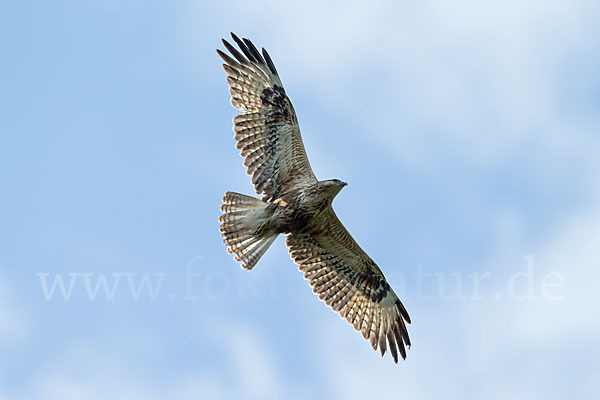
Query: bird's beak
(344, 184)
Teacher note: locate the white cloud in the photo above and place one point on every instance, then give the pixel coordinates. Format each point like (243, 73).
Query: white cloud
(83, 372)
(14, 323)
(255, 366)
(253, 369)
(574, 254)
(483, 78)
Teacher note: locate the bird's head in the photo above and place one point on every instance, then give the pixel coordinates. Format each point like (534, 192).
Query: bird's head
(333, 186)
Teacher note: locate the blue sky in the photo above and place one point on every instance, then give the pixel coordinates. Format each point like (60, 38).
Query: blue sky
(468, 133)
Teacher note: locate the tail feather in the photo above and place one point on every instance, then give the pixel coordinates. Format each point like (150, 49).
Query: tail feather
(250, 255)
(241, 218)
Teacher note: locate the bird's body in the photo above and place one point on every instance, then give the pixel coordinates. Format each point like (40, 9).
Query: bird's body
(296, 209)
(297, 204)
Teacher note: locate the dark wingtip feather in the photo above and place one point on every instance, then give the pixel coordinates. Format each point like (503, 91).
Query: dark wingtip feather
(253, 50)
(230, 61)
(221, 53)
(398, 337)
(393, 346)
(406, 339)
(269, 61)
(382, 344)
(250, 51)
(238, 56)
(403, 311)
(243, 47)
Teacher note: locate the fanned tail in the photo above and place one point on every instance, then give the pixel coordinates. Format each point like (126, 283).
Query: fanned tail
(242, 227)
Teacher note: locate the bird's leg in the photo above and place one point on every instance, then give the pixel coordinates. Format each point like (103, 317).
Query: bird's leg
(261, 228)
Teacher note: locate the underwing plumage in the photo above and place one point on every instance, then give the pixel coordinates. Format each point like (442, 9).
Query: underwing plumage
(295, 203)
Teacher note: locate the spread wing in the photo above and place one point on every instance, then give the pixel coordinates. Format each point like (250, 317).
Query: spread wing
(267, 131)
(350, 282)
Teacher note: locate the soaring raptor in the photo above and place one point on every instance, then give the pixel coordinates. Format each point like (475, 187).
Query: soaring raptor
(297, 204)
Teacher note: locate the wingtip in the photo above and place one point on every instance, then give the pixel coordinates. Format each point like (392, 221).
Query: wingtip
(269, 61)
(236, 38)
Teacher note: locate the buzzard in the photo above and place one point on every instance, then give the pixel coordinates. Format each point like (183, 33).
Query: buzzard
(297, 204)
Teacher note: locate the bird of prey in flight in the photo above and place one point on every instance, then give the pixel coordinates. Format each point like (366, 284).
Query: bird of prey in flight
(295, 203)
